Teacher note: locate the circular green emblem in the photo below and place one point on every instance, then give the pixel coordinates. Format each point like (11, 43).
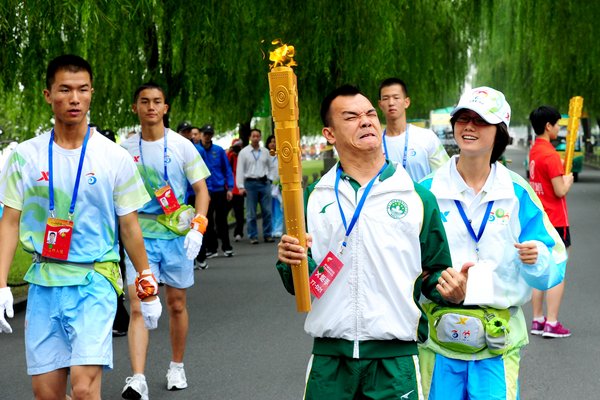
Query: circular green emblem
(397, 209)
(499, 213)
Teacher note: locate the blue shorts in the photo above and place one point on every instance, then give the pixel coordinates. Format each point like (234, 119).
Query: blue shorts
(495, 378)
(168, 263)
(69, 325)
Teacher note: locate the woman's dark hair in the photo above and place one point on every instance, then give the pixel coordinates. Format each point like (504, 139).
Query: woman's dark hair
(500, 142)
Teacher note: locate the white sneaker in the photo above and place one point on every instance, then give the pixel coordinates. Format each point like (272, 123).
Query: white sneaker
(135, 388)
(176, 378)
(237, 238)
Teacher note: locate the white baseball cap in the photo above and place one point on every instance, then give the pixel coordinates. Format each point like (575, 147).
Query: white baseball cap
(489, 103)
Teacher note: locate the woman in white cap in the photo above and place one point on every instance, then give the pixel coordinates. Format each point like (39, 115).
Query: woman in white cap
(499, 234)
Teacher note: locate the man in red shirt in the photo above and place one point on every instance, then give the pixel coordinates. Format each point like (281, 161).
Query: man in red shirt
(547, 178)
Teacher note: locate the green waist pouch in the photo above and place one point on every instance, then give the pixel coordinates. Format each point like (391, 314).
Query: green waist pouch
(469, 329)
(178, 222)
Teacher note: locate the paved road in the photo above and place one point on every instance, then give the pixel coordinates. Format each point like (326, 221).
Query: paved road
(246, 339)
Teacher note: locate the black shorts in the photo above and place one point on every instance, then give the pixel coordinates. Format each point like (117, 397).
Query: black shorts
(565, 234)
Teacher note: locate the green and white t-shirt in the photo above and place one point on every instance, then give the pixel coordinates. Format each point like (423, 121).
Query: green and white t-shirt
(110, 186)
(184, 165)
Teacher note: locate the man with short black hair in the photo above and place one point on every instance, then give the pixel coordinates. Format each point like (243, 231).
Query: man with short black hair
(547, 177)
(74, 185)
(167, 163)
(419, 150)
(385, 235)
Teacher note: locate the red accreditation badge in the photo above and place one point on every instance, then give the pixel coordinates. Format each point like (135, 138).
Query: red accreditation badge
(57, 239)
(324, 274)
(167, 199)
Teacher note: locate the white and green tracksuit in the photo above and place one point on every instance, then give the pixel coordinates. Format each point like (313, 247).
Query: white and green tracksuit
(371, 310)
(516, 216)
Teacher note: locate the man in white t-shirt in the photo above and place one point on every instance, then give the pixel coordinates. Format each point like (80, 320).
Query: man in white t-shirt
(167, 162)
(418, 150)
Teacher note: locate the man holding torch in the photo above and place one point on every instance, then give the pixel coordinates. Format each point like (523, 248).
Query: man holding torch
(382, 236)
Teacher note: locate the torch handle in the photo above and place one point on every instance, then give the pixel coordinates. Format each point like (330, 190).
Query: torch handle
(284, 106)
(575, 107)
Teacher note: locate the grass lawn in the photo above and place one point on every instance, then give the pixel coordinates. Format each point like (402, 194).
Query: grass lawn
(309, 167)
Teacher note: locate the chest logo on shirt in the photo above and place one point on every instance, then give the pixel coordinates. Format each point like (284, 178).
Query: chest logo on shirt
(397, 209)
(325, 207)
(91, 178)
(499, 216)
(412, 152)
(444, 215)
(45, 176)
(167, 158)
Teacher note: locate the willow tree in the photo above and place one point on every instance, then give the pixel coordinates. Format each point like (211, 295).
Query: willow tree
(209, 55)
(541, 52)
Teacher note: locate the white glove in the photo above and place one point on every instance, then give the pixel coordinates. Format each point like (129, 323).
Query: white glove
(151, 311)
(6, 304)
(192, 243)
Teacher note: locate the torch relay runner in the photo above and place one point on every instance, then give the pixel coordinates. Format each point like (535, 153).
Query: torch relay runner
(173, 231)
(493, 219)
(64, 193)
(381, 234)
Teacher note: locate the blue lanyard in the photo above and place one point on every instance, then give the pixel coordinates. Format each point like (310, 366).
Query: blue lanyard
(486, 217)
(256, 158)
(405, 146)
(358, 207)
(165, 174)
(77, 178)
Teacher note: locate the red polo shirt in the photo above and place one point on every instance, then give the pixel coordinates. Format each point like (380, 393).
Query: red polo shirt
(545, 164)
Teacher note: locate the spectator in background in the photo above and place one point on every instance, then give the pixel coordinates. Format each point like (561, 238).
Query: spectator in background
(276, 210)
(185, 129)
(196, 135)
(253, 181)
(237, 201)
(220, 187)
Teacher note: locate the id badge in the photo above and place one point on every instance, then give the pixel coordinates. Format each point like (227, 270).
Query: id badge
(167, 199)
(57, 239)
(324, 274)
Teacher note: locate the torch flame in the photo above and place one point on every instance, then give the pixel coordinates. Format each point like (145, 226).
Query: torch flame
(282, 55)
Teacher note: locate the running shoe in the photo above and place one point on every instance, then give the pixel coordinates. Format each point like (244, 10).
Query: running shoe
(269, 239)
(211, 254)
(537, 328)
(135, 388)
(237, 238)
(176, 378)
(228, 253)
(254, 241)
(555, 331)
(200, 264)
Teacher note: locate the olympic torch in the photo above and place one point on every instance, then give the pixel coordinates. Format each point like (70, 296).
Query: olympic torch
(575, 106)
(284, 106)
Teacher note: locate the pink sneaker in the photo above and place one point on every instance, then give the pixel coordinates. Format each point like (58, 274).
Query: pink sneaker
(557, 331)
(537, 328)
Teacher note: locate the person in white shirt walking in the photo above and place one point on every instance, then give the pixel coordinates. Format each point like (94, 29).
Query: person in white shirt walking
(252, 178)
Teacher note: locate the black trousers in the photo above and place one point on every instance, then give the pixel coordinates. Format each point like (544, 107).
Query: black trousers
(237, 204)
(217, 228)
